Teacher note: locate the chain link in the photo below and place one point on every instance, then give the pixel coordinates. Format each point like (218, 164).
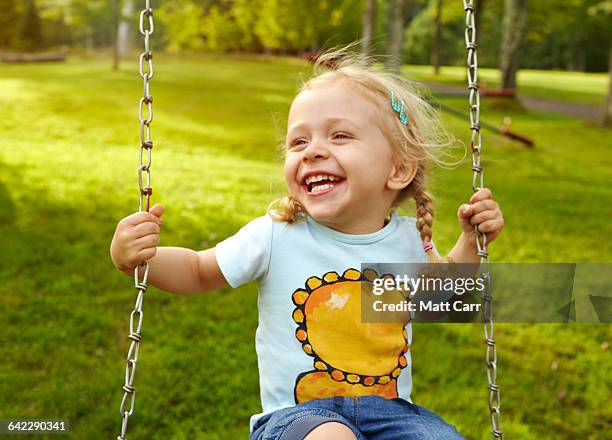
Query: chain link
(145, 191)
(481, 238)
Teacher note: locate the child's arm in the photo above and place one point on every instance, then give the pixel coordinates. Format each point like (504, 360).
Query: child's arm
(484, 212)
(173, 269)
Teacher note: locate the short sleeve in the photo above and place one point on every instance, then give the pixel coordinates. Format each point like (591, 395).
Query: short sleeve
(245, 256)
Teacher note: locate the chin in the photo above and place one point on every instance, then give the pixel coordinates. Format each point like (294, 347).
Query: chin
(324, 214)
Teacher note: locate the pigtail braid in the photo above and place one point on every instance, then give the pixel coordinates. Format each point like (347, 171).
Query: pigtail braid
(424, 211)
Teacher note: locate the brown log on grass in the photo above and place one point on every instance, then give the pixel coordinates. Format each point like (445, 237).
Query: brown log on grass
(33, 57)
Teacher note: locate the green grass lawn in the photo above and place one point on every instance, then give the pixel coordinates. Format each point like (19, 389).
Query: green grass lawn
(576, 87)
(68, 173)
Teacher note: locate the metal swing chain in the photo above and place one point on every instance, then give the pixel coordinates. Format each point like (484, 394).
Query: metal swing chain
(145, 196)
(481, 238)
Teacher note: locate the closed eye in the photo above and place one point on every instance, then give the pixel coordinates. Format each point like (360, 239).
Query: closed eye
(341, 136)
(297, 143)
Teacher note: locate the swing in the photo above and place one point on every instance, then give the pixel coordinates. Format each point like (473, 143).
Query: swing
(146, 145)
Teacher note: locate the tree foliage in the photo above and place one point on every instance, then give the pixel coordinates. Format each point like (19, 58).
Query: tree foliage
(419, 32)
(561, 34)
(280, 26)
(29, 36)
(8, 23)
(182, 22)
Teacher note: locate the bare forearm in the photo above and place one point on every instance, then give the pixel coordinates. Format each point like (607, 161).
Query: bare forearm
(174, 270)
(464, 250)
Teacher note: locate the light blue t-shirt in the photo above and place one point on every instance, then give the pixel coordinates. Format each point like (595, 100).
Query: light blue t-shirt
(310, 341)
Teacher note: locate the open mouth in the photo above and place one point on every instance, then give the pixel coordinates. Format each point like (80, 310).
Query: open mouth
(321, 183)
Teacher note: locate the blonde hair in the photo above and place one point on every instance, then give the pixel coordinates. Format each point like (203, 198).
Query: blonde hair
(418, 142)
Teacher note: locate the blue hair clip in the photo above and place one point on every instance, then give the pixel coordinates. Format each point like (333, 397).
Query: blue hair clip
(398, 106)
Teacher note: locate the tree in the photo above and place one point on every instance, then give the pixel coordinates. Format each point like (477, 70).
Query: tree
(369, 20)
(603, 10)
(290, 26)
(183, 24)
(396, 32)
(245, 14)
(607, 120)
(123, 28)
(92, 23)
(437, 37)
(514, 25)
(478, 5)
(56, 30)
(116, 6)
(30, 36)
(121, 23)
(8, 19)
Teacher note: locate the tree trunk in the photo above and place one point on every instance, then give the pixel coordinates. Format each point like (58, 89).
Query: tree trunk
(437, 37)
(116, 35)
(369, 19)
(514, 25)
(555, 54)
(608, 111)
(9, 20)
(30, 37)
(580, 56)
(478, 5)
(123, 28)
(89, 40)
(396, 31)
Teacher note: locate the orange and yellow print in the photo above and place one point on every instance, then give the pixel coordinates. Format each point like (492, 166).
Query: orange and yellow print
(350, 357)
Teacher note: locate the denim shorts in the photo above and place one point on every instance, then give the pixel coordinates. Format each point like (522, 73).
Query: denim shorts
(369, 417)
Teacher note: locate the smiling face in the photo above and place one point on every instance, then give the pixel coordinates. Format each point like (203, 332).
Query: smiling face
(338, 163)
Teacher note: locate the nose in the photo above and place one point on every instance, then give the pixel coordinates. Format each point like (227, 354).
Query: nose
(316, 150)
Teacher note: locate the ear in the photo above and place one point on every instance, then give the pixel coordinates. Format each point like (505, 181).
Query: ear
(401, 175)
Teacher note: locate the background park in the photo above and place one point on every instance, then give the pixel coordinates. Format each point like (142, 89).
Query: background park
(225, 74)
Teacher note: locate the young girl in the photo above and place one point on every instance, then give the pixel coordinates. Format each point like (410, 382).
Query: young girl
(357, 144)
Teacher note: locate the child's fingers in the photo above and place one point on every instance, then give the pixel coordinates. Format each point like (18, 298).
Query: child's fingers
(481, 194)
(490, 225)
(465, 211)
(146, 254)
(157, 210)
(483, 216)
(144, 229)
(491, 228)
(141, 217)
(484, 205)
(146, 242)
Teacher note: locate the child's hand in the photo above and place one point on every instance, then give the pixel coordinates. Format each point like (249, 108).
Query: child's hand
(484, 212)
(136, 238)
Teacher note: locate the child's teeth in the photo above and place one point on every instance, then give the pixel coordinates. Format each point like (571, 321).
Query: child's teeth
(319, 188)
(320, 177)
